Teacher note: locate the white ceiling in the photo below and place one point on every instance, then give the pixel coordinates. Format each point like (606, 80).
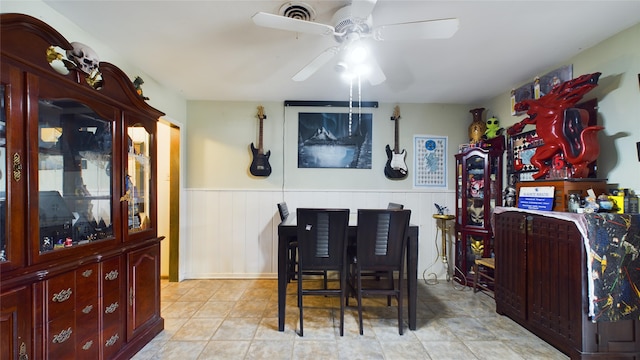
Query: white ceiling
(211, 50)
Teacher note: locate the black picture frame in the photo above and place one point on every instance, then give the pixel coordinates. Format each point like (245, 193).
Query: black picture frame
(335, 140)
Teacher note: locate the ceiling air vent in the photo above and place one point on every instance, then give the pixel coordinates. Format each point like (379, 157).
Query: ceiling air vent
(298, 10)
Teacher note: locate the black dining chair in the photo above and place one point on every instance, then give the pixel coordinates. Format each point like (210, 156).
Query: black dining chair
(380, 248)
(283, 210)
(292, 251)
(322, 246)
(393, 205)
(390, 206)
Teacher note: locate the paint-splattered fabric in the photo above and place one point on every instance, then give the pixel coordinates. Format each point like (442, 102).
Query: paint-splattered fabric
(614, 241)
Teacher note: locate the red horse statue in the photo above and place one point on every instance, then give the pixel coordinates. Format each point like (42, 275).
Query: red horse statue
(563, 129)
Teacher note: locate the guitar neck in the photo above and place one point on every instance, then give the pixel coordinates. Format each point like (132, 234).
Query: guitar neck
(395, 145)
(260, 151)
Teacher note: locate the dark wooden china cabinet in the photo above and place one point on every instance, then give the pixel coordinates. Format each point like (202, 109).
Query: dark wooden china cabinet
(478, 192)
(79, 249)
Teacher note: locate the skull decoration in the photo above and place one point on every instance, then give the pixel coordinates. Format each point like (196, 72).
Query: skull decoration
(84, 57)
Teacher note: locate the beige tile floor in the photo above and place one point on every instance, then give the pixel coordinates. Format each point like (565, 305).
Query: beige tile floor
(238, 319)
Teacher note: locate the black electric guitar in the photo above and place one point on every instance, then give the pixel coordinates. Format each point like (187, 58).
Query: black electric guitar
(260, 165)
(396, 167)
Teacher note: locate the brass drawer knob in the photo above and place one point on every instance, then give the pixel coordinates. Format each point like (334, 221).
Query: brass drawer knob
(87, 345)
(111, 275)
(111, 308)
(63, 295)
(112, 340)
(63, 336)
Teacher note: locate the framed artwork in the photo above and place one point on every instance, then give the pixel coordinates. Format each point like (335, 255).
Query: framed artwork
(430, 161)
(334, 140)
(540, 86)
(523, 92)
(521, 148)
(553, 78)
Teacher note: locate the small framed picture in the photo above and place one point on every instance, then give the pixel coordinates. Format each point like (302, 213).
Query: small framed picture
(522, 147)
(519, 94)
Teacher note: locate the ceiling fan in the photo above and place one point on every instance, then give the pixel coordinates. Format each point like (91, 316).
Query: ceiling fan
(352, 24)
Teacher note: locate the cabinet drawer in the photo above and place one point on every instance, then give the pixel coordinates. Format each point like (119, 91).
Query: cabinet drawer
(86, 284)
(87, 319)
(112, 309)
(61, 295)
(111, 276)
(61, 337)
(88, 348)
(112, 340)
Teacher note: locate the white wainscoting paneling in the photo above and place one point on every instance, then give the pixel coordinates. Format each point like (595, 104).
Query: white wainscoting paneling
(234, 233)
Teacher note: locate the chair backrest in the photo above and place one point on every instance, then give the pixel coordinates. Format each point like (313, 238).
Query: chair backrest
(322, 238)
(382, 238)
(283, 209)
(393, 205)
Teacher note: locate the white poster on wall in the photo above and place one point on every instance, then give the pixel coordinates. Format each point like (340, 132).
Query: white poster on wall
(430, 161)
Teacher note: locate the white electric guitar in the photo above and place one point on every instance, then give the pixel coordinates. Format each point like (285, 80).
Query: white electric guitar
(396, 167)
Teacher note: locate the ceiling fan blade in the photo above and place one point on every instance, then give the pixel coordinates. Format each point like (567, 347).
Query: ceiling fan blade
(291, 24)
(361, 9)
(316, 64)
(377, 76)
(430, 29)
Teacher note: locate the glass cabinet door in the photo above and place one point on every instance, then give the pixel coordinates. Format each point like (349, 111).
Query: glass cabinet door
(13, 178)
(75, 147)
(474, 191)
(3, 177)
(138, 179)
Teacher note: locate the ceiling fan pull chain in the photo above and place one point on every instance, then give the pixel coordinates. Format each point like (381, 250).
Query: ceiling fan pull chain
(359, 101)
(350, 103)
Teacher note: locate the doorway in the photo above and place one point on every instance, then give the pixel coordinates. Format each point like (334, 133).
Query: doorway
(168, 181)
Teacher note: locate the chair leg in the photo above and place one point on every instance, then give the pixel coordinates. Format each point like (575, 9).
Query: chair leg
(359, 290)
(351, 283)
(325, 280)
(301, 333)
(293, 253)
(390, 275)
(399, 297)
(343, 289)
(475, 277)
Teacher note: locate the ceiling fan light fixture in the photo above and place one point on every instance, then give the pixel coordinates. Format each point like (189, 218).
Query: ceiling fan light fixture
(350, 73)
(357, 54)
(362, 70)
(351, 24)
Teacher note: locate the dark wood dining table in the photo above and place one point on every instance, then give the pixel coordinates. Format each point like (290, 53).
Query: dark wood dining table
(287, 233)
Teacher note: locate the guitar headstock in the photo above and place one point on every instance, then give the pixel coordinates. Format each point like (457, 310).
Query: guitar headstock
(396, 113)
(261, 114)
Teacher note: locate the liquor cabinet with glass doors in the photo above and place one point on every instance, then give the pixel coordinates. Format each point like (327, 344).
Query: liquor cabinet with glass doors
(478, 192)
(79, 249)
